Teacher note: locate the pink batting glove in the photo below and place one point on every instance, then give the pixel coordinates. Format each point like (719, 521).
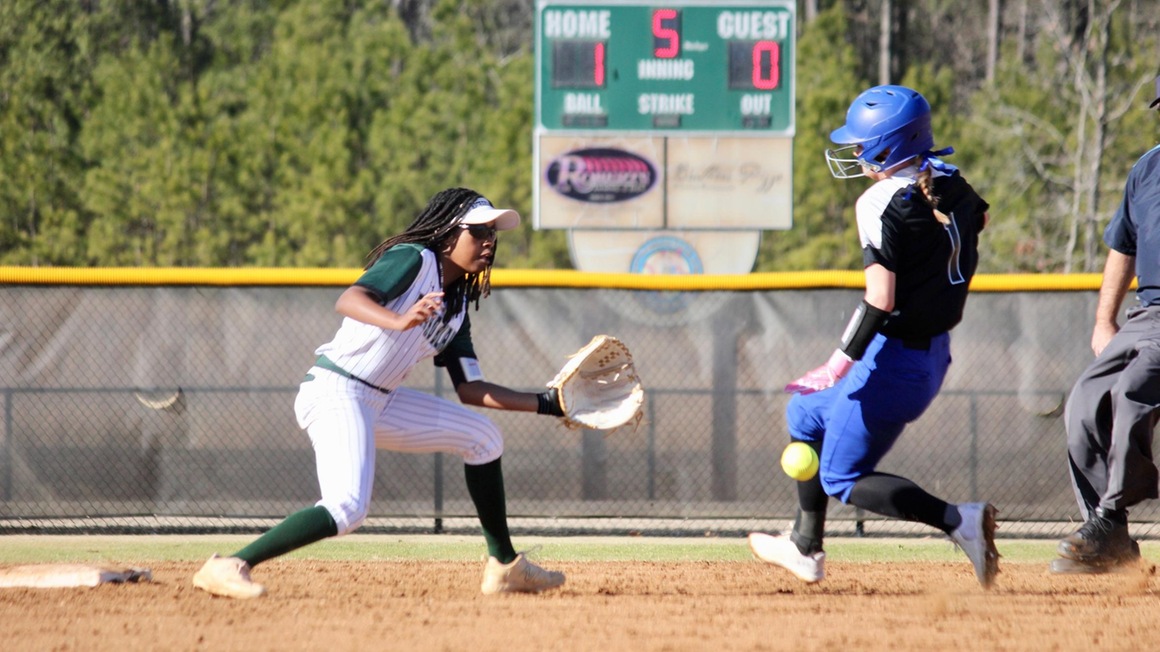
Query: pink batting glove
(824, 377)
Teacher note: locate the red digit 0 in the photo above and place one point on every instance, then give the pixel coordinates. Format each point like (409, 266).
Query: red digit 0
(760, 80)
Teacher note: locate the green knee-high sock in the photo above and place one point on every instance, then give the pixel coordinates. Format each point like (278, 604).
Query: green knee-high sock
(299, 529)
(485, 484)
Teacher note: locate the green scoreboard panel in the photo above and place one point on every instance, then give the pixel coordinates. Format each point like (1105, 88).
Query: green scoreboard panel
(667, 67)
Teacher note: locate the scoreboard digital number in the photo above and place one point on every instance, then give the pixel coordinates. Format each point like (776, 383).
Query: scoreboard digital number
(678, 66)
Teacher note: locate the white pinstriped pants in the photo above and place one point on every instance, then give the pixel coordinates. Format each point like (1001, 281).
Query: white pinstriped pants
(347, 421)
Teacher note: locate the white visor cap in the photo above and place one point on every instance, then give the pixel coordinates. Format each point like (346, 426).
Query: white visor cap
(482, 212)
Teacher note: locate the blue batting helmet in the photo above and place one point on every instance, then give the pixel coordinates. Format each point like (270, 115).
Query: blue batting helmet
(891, 124)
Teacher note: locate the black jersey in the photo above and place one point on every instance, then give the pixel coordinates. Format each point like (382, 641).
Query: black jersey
(932, 263)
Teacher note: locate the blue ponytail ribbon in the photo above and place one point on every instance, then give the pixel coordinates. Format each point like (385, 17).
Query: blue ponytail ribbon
(931, 159)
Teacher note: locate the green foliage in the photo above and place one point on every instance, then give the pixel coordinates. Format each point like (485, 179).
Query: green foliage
(1033, 135)
(478, 108)
(293, 133)
(824, 233)
(251, 133)
(43, 93)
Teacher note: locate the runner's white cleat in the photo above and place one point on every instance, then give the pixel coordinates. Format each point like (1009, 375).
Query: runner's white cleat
(520, 576)
(228, 577)
(976, 536)
(782, 551)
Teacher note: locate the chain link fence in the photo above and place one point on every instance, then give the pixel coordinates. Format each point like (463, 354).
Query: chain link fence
(168, 408)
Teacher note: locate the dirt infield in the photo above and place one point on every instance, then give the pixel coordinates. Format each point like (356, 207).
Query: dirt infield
(606, 606)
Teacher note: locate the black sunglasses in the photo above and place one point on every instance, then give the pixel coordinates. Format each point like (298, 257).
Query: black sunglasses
(481, 232)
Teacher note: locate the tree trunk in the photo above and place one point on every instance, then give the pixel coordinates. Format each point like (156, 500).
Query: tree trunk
(1021, 33)
(884, 41)
(994, 8)
(1100, 124)
(811, 10)
(1077, 181)
(1090, 74)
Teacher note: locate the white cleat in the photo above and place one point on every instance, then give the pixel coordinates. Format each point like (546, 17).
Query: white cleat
(782, 551)
(976, 537)
(520, 576)
(228, 577)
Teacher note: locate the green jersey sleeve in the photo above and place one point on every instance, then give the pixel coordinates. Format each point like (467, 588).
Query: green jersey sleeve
(394, 272)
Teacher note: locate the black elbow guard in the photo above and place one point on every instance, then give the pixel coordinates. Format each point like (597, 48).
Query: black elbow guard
(864, 325)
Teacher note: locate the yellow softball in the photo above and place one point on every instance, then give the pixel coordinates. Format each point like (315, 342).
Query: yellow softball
(799, 461)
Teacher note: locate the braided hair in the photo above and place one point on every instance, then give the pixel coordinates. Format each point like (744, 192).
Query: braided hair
(925, 181)
(433, 228)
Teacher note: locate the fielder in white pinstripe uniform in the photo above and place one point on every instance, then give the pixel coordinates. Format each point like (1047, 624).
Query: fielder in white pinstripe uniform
(410, 304)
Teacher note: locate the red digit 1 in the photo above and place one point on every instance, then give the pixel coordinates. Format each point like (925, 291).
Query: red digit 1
(660, 32)
(760, 80)
(598, 64)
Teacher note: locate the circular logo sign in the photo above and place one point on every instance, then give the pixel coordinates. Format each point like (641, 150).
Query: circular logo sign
(665, 255)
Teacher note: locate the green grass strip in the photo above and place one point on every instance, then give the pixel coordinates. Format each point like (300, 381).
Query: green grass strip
(140, 549)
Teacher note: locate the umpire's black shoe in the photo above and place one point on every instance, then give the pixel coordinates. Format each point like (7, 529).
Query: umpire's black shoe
(1103, 539)
(1062, 566)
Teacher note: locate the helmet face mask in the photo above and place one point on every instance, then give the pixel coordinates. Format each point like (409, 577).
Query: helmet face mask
(845, 163)
(885, 126)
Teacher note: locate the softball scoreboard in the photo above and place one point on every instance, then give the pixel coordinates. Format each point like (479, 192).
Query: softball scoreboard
(679, 68)
(663, 116)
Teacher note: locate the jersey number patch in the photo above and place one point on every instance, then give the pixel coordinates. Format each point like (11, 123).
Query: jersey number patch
(436, 332)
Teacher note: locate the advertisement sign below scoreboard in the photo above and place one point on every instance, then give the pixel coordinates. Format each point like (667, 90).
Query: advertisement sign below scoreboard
(655, 182)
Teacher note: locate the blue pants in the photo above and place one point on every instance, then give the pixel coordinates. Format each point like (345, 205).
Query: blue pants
(859, 419)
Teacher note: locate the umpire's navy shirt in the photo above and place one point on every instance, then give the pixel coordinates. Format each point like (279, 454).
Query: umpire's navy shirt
(1135, 230)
